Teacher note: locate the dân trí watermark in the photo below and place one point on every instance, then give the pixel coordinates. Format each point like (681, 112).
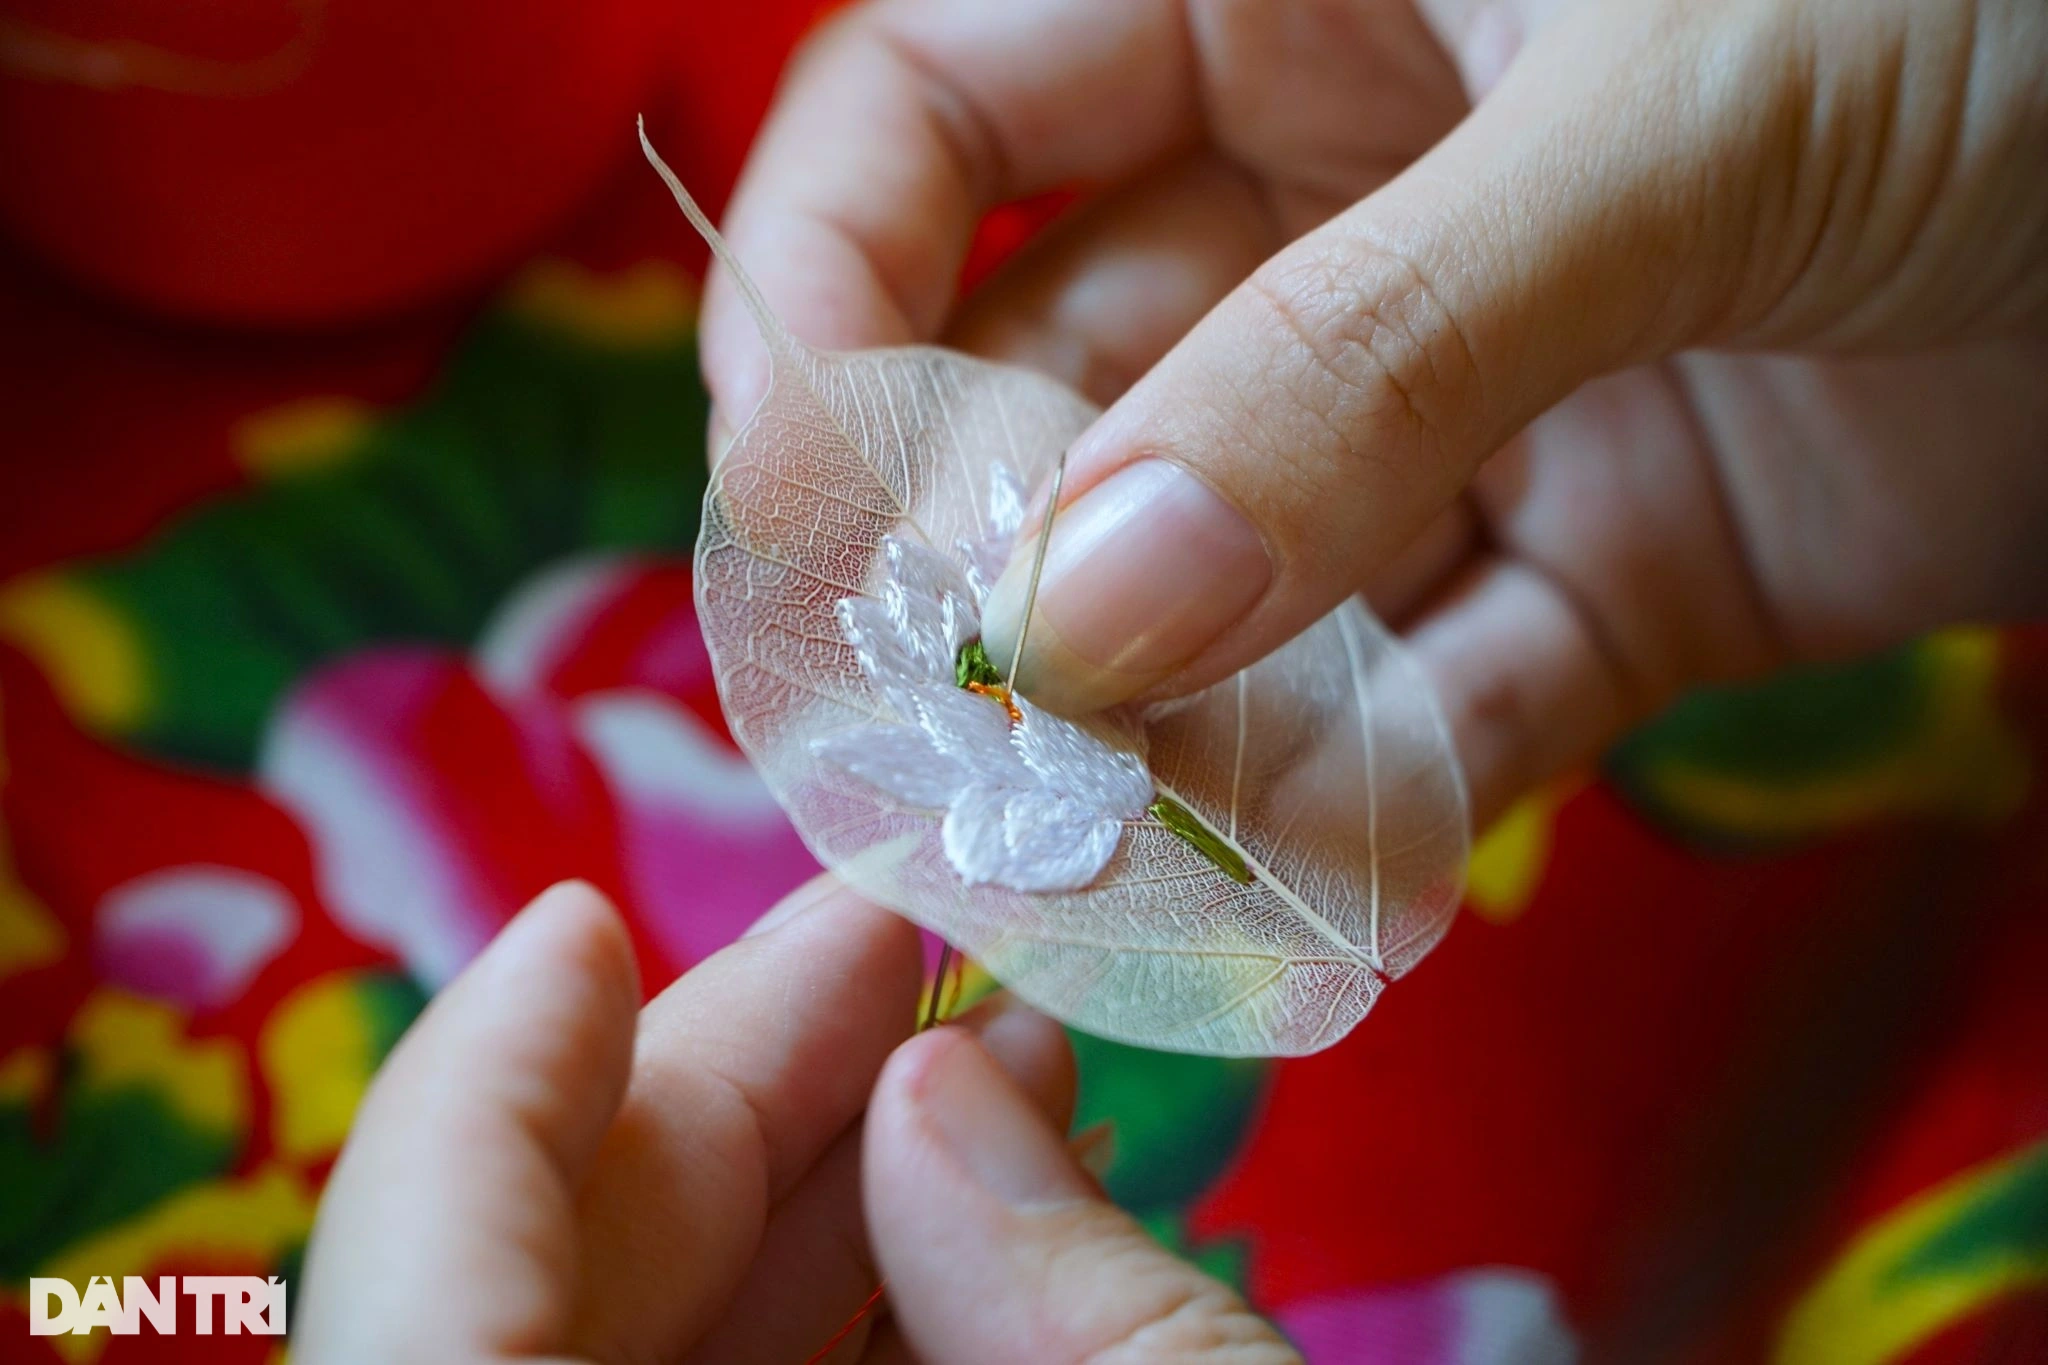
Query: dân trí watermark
(228, 1304)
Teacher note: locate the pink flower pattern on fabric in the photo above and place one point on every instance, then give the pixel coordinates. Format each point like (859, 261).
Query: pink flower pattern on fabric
(585, 711)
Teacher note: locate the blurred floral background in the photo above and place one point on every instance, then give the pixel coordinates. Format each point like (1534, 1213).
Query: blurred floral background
(350, 448)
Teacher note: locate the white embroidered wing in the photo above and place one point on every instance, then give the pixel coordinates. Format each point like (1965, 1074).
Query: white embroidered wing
(849, 533)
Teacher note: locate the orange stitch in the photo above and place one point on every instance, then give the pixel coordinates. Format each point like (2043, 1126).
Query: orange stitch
(998, 692)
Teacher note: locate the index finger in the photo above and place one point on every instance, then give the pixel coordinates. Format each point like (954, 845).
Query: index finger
(746, 1071)
(898, 126)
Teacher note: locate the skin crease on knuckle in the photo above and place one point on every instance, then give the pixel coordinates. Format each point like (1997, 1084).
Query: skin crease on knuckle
(1847, 157)
(1366, 344)
(1368, 372)
(1917, 124)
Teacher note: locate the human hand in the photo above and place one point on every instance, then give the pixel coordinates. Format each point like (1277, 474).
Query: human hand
(543, 1171)
(1418, 291)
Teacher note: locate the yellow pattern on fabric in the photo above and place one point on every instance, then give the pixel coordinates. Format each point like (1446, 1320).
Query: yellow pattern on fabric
(651, 304)
(1507, 861)
(84, 645)
(26, 1075)
(1864, 1311)
(123, 1041)
(29, 935)
(1965, 762)
(302, 436)
(245, 1225)
(319, 1051)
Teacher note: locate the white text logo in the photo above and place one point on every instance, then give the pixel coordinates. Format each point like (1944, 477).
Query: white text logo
(246, 1303)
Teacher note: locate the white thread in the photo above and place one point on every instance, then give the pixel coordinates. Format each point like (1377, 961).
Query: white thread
(1038, 805)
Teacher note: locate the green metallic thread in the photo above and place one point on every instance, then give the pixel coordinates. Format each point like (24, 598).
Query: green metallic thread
(1182, 821)
(972, 666)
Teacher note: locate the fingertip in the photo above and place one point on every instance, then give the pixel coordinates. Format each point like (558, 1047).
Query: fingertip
(730, 356)
(1031, 1048)
(972, 1198)
(897, 1146)
(552, 1001)
(570, 955)
(568, 899)
(574, 922)
(572, 895)
(970, 1120)
(898, 1079)
(531, 1044)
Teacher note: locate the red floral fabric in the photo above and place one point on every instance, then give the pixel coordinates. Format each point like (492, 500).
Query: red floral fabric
(323, 647)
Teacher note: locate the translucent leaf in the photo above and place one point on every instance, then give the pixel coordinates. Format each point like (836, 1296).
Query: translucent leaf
(849, 533)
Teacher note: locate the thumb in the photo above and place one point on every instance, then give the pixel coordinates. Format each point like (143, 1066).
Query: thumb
(1319, 417)
(447, 1228)
(997, 1247)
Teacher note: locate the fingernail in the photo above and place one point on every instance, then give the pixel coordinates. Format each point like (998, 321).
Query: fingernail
(805, 897)
(1001, 1141)
(1142, 572)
